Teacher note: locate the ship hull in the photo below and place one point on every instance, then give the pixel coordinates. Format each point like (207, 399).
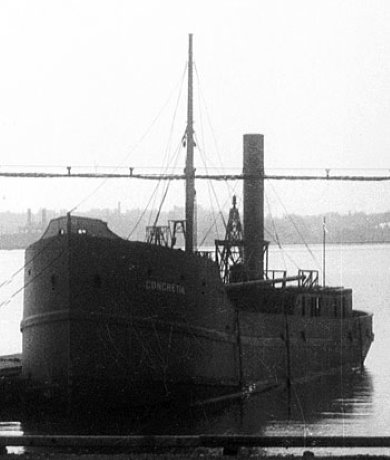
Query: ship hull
(133, 323)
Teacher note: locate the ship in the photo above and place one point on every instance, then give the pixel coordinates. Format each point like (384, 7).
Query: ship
(109, 319)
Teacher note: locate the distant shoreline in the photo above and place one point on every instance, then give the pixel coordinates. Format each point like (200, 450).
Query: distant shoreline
(272, 245)
(19, 230)
(347, 243)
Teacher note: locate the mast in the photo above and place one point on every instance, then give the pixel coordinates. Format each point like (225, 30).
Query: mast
(189, 169)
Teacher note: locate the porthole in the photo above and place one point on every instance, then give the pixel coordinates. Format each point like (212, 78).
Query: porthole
(53, 281)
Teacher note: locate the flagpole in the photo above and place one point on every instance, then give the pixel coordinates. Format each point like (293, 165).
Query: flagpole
(323, 251)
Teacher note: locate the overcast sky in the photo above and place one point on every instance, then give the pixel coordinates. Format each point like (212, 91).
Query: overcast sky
(96, 83)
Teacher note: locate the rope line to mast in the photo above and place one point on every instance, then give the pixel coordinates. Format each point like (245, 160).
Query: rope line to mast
(203, 158)
(175, 154)
(143, 212)
(133, 149)
(201, 98)
(296, 227)
(18, 291)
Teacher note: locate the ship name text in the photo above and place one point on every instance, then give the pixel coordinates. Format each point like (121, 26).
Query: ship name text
(163, 286)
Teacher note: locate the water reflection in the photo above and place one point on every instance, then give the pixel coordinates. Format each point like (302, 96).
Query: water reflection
(332, 405)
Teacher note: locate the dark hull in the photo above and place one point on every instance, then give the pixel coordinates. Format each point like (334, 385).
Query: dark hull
(142, 323)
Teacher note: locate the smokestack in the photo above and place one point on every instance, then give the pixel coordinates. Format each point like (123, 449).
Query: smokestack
(254, 205)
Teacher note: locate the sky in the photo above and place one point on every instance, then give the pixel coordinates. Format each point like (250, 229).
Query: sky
(99, 86)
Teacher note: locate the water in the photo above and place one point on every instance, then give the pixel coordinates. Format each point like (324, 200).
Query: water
(338, 405)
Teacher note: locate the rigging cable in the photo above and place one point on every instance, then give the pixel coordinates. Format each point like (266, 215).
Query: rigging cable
(18, 291)
(198, 143)
(201, 148)
(214, 214)
(177, 151)
(214, 223)
(275, 235)
(143, 212)
(203, 99)
(296, 228)
(144, 135)
(212, 187)
(166, 189)
(13, 276)
(284, 253)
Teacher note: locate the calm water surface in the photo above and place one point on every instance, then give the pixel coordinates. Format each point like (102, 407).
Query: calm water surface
(356, 404)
